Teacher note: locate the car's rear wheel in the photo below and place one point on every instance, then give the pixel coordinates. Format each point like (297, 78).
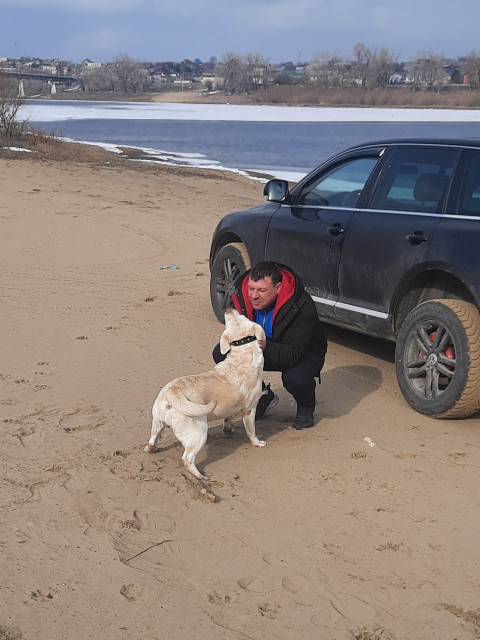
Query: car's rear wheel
(228, 264)
(438, 358)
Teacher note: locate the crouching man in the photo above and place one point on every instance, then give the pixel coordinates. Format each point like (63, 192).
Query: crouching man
(274, 297)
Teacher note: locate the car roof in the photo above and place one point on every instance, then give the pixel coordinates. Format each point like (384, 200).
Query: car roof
(437, 142)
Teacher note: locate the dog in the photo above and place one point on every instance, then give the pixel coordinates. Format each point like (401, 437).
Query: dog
(232, 387)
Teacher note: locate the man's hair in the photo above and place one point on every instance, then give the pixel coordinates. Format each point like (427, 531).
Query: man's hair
(266, 270)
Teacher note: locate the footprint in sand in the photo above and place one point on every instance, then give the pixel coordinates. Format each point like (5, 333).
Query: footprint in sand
(255, 584)
(42, 595)
(216, 597)
(270, 610)
(132, 592)
(10, 633)
(297, 584)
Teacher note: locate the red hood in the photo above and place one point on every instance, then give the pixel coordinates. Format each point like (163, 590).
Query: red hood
(286, 292)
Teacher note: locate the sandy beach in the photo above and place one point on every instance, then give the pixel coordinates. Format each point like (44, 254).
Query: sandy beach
(364, 527)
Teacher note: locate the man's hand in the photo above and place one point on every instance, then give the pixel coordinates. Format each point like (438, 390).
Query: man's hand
(262, 344)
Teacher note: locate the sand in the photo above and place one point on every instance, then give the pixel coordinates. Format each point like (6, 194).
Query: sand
(320, 535)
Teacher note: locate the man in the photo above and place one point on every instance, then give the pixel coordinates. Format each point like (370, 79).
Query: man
(275, 298)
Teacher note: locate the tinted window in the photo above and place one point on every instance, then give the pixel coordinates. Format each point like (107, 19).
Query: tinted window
(340, 186)
(470, 193)
(415, 179)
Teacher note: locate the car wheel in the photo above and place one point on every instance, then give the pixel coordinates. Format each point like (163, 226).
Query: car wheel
(437, 358)
(228, 264)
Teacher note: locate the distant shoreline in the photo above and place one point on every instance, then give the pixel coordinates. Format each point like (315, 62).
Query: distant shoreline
(459, 100)
(354, 125)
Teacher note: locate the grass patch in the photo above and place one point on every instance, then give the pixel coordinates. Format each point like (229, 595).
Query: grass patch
(47, 147)
(471, 617)
(392, 97)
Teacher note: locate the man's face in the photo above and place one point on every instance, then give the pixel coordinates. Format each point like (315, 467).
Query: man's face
(263, 293)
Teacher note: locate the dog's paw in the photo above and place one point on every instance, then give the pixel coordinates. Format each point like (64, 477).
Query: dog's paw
(196, 473)
(149, 449)
(260, 443)
(195, 476)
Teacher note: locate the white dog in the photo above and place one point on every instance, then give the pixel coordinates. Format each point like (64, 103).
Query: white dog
(232, 387)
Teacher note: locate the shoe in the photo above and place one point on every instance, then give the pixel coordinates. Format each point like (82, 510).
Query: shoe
(267, 400)
(304, 418)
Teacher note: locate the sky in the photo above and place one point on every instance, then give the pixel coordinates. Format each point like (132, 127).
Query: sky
(278, 30)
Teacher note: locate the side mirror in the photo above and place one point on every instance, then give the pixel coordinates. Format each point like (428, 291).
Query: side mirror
(276, 190)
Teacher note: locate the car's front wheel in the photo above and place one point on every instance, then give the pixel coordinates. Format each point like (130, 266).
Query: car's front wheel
(228, 264)
(438, 358)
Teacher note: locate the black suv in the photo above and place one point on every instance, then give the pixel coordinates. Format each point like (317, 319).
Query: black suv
(386, 238)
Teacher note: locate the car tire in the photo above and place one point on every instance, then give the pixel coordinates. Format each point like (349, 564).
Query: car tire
(228, 264)
(437, 359)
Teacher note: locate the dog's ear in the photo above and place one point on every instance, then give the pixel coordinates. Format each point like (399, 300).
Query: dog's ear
(225, 342)
(259, 332)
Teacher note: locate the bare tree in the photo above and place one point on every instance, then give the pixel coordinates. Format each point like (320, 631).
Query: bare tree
(98, 79)
(363, 59)
(428, 71)
(233, 72)
(316, 70)
(128, 75)
(382, 67)
(10, 103)
(472, 68)
(373, 68)
(258, 71)
(326, 70)
(282, 78)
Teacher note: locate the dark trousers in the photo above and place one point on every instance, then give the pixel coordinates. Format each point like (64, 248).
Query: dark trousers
(299, 380)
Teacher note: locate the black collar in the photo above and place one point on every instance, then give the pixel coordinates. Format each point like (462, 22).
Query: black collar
(246, 340)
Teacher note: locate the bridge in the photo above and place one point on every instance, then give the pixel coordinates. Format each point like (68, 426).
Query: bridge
(45, 77)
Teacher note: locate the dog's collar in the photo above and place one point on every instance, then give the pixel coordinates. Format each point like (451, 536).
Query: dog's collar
(245, 340)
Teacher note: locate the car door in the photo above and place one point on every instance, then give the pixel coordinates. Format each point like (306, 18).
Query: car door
(457, 239)
(307, 234)
(391, 238)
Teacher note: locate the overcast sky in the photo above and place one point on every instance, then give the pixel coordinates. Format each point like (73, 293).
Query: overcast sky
(279, 30)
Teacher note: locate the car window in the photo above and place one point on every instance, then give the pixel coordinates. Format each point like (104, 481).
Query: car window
(340, 186)
(415, 179)
(470, 192)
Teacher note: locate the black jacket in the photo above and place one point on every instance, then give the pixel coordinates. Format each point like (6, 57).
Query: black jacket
(296, 330)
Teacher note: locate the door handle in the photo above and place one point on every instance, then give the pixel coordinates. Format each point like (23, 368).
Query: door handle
(416, 237)
(336, 229)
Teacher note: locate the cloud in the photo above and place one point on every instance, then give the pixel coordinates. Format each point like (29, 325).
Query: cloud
(102, 42)
(283, 15)
(81, 6)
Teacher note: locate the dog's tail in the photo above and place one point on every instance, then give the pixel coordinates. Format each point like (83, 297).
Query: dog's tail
(179, 401)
